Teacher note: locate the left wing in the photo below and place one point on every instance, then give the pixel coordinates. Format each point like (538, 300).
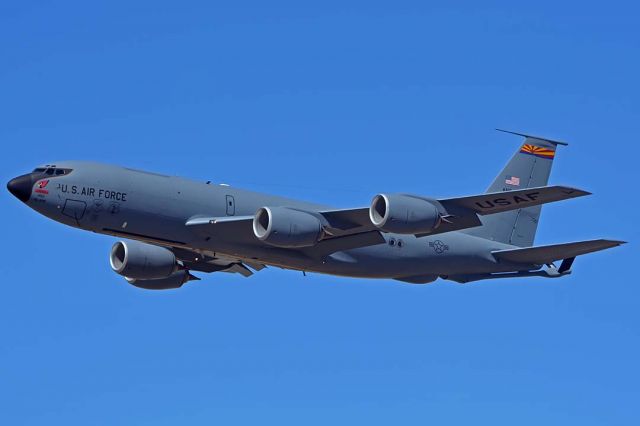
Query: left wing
(344, 229)
(459, 212)
(337, 222)
(194, 261)
(497, 202)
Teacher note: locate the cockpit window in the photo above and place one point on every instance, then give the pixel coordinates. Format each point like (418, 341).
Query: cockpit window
(51, 171)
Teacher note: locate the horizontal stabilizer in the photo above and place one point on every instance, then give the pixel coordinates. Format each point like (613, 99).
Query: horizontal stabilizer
(531, 137)
(496, 202)
(546, 254)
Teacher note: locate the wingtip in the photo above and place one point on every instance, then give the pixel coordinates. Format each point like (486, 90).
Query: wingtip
(575, 192)
(612, 243)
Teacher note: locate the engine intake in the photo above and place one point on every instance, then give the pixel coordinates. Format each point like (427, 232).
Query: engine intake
(286, 227)
(404, 214)
(140, 261)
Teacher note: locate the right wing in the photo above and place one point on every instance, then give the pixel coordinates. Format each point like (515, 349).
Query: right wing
(462, 212)
(195, 261)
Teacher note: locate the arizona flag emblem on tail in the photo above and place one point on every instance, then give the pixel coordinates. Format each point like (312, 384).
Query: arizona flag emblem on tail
(537, 151)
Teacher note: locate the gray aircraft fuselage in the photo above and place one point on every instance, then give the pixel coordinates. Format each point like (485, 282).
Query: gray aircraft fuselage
(154, 208)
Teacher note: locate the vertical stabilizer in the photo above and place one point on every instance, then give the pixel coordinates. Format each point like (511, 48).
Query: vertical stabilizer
(529, 167)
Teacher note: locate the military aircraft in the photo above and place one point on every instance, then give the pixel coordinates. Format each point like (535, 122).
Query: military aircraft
(174, 226)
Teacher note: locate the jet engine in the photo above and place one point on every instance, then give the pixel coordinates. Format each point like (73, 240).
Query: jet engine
(286, 227)
(139, 261)
(404, 214)
(175, 280)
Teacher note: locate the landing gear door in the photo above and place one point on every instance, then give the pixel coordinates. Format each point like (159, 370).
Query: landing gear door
(231, 205)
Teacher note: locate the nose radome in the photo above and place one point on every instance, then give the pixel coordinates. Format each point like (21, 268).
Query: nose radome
(21, 187)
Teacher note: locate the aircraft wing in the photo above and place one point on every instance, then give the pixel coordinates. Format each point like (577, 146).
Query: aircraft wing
(497, 202)
(344, 228)
(348, 219)
(546, 254)
(459, 212)
(462, 212)
(204, 263)
(338, 224)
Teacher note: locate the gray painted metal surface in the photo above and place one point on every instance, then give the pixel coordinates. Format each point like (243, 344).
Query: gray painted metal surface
(212, 228)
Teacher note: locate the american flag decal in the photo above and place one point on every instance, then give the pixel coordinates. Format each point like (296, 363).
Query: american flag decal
(512, 180)
(537, 151)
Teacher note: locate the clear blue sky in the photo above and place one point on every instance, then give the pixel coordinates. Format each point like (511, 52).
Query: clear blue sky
(331, 102)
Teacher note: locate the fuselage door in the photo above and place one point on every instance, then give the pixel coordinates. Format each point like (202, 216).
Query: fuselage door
(74, 209)
(231, 205)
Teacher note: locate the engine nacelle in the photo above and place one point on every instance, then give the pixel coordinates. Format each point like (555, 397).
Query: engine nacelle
(175, 280)
(285, 227)
(404, 214)
(140, 261)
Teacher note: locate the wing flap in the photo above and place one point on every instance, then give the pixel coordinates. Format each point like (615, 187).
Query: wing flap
(456, 220)
(238, 268)
(546, 254)
(347, 219)
(347, 242)
(195, 261)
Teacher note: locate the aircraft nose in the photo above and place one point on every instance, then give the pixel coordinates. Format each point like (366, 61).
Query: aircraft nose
(21, 187)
